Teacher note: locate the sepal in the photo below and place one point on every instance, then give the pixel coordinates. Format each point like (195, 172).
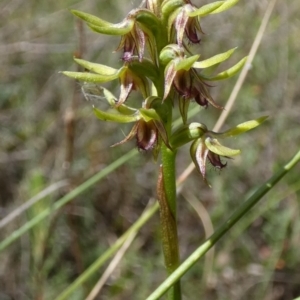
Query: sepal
(116, 117)
(206, 9)
(216, 59)
(186, 134)
(148, 20)
(228, 73)
(170, 52)
(91, 19)
(186, 63)
(214, 146)
(226, 5)
(121, 28)
(169, 6)
(99, 68)
(89, 77)
(144, 68)
(241, 128)
(149, 114)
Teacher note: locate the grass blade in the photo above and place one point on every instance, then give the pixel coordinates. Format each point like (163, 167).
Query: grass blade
(108, 253)
(67, 198)
(236, 216)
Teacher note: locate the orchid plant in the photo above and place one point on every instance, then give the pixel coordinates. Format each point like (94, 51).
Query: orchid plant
(157, 62)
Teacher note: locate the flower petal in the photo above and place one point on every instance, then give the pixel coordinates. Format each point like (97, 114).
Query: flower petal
(146, 135)
(170, 73)
(215, 160)
(180, 24)
(162, 132)
(214, 146)
(130, 136)
(199, 154)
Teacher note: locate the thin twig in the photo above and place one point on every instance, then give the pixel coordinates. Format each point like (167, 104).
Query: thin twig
(70, 129)
(208, 230)
(111, 267)
(115, 261)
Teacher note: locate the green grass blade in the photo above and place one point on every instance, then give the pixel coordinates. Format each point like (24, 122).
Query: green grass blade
(67, 198)
(109, 252)
(237, 215)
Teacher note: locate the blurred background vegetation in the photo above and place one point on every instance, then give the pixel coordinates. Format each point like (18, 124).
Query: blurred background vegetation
(49, 135)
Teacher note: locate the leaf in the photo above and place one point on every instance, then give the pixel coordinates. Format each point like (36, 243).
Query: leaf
(228, 73)
(214, 59)
(115, 117)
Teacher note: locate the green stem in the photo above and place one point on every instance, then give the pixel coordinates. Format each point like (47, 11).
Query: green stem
(236, 216)
(169, 175)
(166, 190)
